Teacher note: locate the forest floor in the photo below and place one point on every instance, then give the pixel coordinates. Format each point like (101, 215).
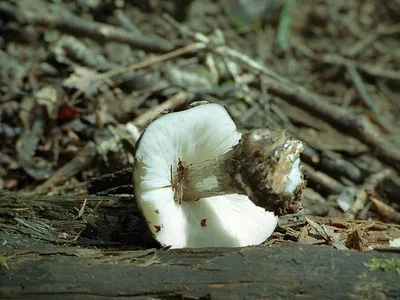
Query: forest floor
(80, 80)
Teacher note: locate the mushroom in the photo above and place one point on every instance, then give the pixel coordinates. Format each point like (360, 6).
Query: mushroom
(197, 179)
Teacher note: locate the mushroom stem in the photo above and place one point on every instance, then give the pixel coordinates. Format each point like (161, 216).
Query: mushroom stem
(213, 177)
(264, 165)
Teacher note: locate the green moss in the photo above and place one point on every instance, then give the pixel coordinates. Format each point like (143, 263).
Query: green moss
(284, 25)
(392, 265)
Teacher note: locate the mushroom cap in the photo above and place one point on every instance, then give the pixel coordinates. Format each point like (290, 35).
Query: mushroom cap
(192, 136)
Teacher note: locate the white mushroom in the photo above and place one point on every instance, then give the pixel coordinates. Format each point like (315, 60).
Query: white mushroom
(189, 188)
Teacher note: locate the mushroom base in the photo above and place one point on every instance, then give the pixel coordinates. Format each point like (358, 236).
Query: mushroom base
(264, 166)
(271, 172)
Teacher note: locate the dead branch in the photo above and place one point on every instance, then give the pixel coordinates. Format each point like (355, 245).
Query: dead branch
(335, 164)
(392, 96)
(358, 126)
(367, 191)
(386, 211)
(325, 181)
(141, 65)
(79, 163)
(331, 163)
(360, 87)
(63, 20)
(174, 102)
(335, 59)
(315, 153)
(154, 60)
(321, 229)
(366, 41)
(110, 181)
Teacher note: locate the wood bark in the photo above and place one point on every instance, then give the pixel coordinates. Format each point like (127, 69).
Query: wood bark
(33, 265)
(286, 271)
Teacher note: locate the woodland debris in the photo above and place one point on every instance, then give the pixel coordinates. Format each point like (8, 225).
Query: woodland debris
(110, 181)
(367, 191)
(331, 163)
(73, 167)
(358, 126)
(385, 211)
(321, 229)
(172, 103)
(112, 219)
(27, 146)
(337, 59)
(323, 180)
(360, 87)
(56, 17)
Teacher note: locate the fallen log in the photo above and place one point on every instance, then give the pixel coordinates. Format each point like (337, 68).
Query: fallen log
(287, 271)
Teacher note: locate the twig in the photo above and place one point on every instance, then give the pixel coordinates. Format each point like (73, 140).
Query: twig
(75, 49)
(172, 103)
(361, 44)
(360, 87)
(317, 155)
(362, 91)
(392, 96)
(370, 38)
(56, 17)
(358, 204)
(184, 30)
(223, 50)
(323, 180)
(328, 237)
(367, 191)
(336, 59)
(372, 182)
(110, 181)
(334, 164)
(358, 126)
(76, 165)
(226, 51)
(386, 211)
(82, 209)
(149, 62)
(126, 22)
(77, 236)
